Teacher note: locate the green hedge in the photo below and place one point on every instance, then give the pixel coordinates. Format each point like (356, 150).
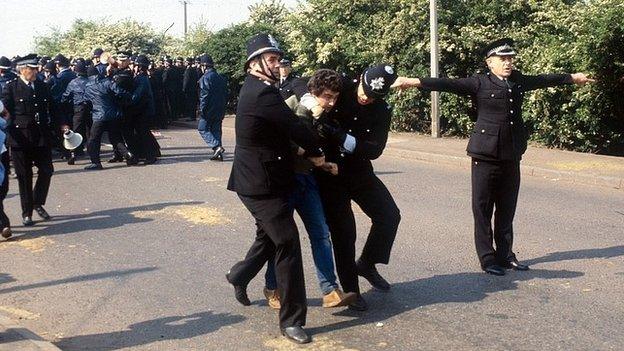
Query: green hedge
(348, 35)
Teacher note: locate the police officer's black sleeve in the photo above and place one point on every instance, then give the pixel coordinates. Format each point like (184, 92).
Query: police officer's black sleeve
(461, 86)
(138, 93)
(7, 99)
(300, 86)
(68, 95)
(275, 110)
(544, 81)
(372, 145)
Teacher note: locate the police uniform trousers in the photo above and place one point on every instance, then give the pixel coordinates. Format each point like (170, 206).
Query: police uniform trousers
(495, 186)
(82, 123)
(190, 104)
(113, 128)
(276, 236)
(138, 137)
(23, 160)
(4, 189)
(377, 203)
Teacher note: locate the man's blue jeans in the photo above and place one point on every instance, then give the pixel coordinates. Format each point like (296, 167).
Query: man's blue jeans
(210, 130)
(305, 199)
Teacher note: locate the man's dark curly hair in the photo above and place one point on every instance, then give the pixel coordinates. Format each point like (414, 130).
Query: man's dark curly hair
(324, 79)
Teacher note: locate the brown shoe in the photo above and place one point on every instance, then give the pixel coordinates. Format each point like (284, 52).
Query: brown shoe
(273, 298)
(6, 232)
(337, 298)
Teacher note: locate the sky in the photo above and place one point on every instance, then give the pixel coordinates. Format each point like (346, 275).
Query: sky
(22, 20)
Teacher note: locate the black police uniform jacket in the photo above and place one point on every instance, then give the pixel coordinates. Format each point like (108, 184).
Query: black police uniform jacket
(263, 163)
(368, 124)
(499, 133)
(29, 123)
(286, 87)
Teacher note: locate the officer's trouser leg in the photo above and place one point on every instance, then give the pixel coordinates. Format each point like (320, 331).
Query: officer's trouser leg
(276, 236)
(81, 120)
(485, 177)
(43, 160)
(115, 137)
(377, 203)
(341, 223)
(4, 189)
(95, 140)
(23, 169)
(506, 199)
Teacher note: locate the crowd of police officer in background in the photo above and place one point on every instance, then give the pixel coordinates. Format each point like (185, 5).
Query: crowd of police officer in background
(60, 107)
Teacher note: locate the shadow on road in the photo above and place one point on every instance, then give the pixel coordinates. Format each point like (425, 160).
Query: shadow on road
(143, 333)
(447, 288)
(606, 252)
(80, 278)
(6, 278)
(105, 219)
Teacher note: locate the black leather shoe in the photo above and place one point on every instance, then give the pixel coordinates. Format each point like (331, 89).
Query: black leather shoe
(240, 292)
(115, 159)
(218, 154)
(494, 270)
(27, 221)
(42, 213)
(130, 159)
(296, 335)
(71, 160)
(369, 272)
(7, 232)
(359, 304)
(150, 161)
(94, 167)
(517, 266)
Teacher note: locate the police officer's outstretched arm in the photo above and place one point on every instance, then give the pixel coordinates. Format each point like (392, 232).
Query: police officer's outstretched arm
(550, 80)
(461, 86)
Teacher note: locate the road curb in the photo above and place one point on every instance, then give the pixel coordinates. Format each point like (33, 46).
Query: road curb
(34, 341)
(526, 170)
(464, 162)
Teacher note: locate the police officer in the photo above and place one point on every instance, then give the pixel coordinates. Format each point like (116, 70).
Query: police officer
(155, 77)
(106, 97)
(75, 95)
(189, 87)
(285, 84)
(6, 75)
(28, 102)
(496, 145)
(357, 130)
(63, 112)
(124, 78)
(262, 176)
(212, 100)
(141, 112)
(172, 83)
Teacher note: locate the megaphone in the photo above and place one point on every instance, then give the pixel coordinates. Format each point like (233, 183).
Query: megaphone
(72, 140)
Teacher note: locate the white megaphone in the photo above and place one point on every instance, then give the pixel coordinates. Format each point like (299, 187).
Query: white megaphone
(72, 140)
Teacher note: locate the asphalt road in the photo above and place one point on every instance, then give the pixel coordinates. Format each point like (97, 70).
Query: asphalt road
(135, 258)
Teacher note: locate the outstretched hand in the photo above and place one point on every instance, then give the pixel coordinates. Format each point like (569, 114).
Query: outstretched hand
(582, 79)
(403, 83)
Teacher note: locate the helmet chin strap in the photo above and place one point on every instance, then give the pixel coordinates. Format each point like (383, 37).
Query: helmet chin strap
(263, 65)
